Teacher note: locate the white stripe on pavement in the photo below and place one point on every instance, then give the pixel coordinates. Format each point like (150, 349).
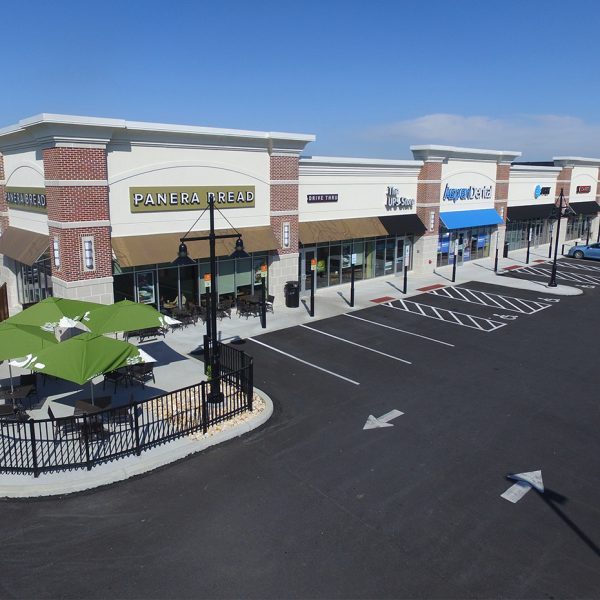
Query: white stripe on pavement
(355, 344)
(303, 361)
(400, 330)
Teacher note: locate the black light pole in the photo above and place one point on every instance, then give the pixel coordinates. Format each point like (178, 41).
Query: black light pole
(213, 353)
(496, 259)
(455, 260)
(552, 282)
(263, 299)
(587, 240)
(313, 268)
(528, 242)
(352, 281)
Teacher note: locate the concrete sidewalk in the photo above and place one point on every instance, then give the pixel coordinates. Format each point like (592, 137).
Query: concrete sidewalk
(177, 367)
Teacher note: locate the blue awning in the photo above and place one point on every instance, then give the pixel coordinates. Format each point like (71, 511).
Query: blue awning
(461, 219)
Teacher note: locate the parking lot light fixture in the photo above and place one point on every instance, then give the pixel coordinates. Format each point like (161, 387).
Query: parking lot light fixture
(556, 214)
(212, 352)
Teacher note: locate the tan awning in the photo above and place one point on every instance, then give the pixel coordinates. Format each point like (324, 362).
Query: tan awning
(136, 250)
(23, 246)
(341, 229)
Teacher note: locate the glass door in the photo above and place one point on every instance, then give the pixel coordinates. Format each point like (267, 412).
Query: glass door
(306, 275)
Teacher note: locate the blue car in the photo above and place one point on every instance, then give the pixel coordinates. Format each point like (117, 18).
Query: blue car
(589, 251)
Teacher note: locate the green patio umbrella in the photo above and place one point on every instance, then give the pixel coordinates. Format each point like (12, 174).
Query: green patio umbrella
(18, 340)
(81, 358)
(124, 316)
(47, 313)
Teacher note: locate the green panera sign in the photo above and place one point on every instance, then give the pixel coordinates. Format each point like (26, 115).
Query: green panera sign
(28, 199)
(144, 199)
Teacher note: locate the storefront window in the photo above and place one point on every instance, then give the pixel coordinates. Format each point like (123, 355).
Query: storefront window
(243, 277)
(400, 256)
(346, 263)
(168, 287)
(226, 281)
(390, 248)
(359, 259)
(123, 287)
(322, 266)
(34, 283)
(188, 284)
(335, 264)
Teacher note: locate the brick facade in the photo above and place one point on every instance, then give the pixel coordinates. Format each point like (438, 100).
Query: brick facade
(428, 195)
(501, 197)
(3, 206)
(563, 182)
(78, 203)
(284, 198)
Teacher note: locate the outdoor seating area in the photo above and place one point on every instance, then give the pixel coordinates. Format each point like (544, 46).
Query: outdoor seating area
(77, 400)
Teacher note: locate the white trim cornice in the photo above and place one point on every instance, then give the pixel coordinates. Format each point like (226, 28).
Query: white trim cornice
(75, 182)
(444, 153)
(79, 131)
(82, 282)
(572, 161)
(284, 213)
(78, 224)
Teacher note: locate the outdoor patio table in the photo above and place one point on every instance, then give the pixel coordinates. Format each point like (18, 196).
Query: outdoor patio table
(10, 413)
(19, 393)
(85, 407)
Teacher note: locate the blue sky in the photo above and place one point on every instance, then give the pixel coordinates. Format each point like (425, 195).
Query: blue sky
(368, 78)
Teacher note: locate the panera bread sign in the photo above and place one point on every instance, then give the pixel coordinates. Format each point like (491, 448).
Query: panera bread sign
(145, 199)
(27, 199)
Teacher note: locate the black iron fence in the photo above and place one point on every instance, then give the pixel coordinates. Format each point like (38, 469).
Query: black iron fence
(39, 446)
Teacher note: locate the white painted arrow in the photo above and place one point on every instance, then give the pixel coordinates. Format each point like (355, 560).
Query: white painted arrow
(382, 421)
(525, 481)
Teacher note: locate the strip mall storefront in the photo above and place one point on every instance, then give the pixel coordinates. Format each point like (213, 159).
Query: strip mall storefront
(95, 209)
(377, 199)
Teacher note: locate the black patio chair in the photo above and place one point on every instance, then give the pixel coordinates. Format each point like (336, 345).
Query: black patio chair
(118, 376)
(142, 373)
(65, 426)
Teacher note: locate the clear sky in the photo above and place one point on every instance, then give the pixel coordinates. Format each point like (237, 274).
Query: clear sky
(368, 78)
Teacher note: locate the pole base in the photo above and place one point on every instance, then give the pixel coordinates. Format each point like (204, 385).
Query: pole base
(553, 284)
(215, 397)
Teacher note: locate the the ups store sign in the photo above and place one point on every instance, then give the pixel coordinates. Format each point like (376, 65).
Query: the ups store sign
(146, 199)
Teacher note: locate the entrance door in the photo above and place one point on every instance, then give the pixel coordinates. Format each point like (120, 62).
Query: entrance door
(306, 275)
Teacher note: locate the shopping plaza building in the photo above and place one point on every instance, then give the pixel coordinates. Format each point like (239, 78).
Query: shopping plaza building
(94, 209)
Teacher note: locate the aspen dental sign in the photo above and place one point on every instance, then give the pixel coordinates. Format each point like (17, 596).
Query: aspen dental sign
(467, 193)
(144, 199)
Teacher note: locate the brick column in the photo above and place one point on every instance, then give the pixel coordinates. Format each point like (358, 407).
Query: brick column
(284, 174)
(563, 182)
(78, 210)
(429, 191)
(3, 206)
(501, 205)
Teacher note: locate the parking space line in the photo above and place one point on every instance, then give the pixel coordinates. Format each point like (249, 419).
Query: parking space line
(480, 298)
(304, 362)
(448, 316)
(355, 344)
(578, 265)
(400, 330)
(566, 276)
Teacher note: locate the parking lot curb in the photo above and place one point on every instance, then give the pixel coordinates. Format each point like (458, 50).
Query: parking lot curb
(59, 484)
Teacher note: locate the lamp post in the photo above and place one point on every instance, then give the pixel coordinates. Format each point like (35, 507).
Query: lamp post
(212, 336)
(263, 300)
(552, 282)
(496, 258)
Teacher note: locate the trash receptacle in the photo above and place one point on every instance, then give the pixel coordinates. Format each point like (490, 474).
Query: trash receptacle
(291, 291)
(505, 253)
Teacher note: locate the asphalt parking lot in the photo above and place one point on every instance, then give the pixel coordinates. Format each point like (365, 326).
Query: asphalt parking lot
(490, 380)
